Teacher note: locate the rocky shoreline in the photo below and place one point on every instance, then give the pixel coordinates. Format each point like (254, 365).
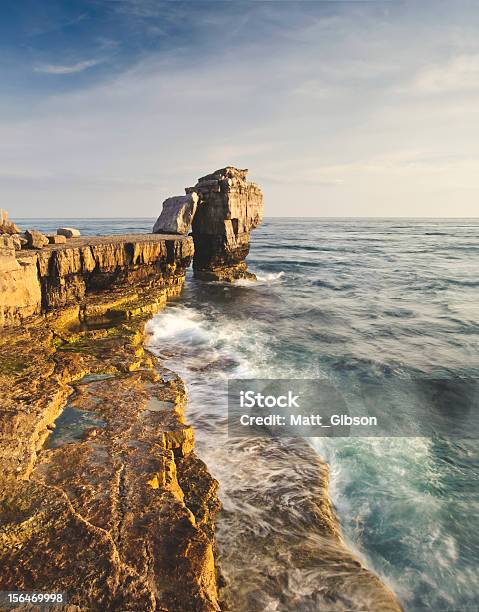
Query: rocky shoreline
(102, 494)
(122, 516)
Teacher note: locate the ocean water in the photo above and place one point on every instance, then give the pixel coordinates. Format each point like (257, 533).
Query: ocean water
(88, 227)
(343, 300)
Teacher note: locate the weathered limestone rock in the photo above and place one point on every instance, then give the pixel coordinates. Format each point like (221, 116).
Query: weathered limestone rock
(7, 226)
(177, 215)
(20, 295)
(56, 239)
(68, 272)
(68, 232)
(34, 281)
(121, 515)
(230, 207)
(35, 240)
(19, 241)
(7, 254)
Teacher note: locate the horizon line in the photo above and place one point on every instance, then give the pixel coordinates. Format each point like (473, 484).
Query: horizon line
(266, 217)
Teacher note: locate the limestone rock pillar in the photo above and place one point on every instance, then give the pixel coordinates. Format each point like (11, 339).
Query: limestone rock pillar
(229, 208)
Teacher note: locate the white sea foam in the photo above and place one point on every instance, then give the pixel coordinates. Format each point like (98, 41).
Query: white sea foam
(261, 488)
(177, 324)
(262, 278)
(196, 336)
(269, 278)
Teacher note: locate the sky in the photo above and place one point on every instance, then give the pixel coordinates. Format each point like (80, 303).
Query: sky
(338, 108)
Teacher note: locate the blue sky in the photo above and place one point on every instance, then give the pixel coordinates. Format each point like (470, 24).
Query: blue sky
(107, 107)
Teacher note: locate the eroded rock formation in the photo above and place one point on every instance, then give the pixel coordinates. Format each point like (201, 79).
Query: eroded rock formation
(61, 275)
(118, 512)
(229, 208)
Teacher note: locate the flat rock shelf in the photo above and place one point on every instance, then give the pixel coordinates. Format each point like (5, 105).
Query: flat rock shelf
(120, 515)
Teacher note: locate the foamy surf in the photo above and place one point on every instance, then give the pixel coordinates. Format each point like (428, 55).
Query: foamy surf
(266, 486)
(266, 278)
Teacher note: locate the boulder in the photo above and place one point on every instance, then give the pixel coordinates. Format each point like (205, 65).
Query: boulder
(56, 239)
(7, 226)
(35, 240)
(68, 232)
(19, 241)
(177, 215)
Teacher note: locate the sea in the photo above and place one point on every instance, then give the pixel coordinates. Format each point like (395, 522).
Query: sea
(344, 300)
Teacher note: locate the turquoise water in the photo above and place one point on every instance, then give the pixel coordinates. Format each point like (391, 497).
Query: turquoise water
(393, 298)
(345, 299)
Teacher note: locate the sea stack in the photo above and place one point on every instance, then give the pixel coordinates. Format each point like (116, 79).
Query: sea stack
(229, 208)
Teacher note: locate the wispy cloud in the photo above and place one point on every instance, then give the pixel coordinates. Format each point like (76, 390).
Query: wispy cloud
(460, 73)
(67, 69)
